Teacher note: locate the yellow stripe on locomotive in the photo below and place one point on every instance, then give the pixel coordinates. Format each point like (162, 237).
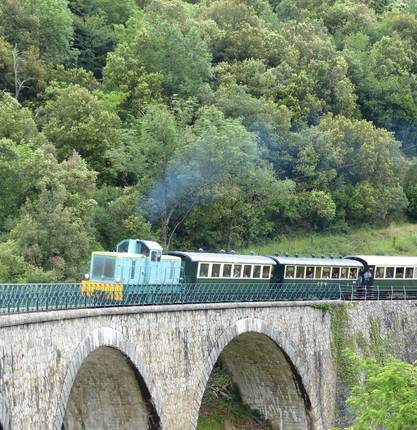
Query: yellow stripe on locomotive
(102, 289)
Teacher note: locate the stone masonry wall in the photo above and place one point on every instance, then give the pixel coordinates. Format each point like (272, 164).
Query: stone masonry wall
(172, 350)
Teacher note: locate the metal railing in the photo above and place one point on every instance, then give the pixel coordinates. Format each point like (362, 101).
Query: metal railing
(376, 292)
(15, 298)
(43, 297)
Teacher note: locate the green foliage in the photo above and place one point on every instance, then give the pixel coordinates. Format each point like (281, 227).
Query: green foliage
(75, 119)
(209, 123)
(393, 240)
(46, 24)
(346, 368)
(222, 407)
(95, 36)
(54, 231)
(387, 397)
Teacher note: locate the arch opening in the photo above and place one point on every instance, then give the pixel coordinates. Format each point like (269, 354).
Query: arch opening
(108, 392)
(267, 381)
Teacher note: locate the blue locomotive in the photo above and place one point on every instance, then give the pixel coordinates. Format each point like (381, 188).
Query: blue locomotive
(135, 262)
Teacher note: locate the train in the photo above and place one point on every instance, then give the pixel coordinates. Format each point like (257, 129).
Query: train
(142, 267)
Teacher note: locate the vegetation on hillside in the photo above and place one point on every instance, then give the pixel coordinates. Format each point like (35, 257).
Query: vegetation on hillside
(387, 397)
(222, 407)
(395, 239)
(208, 123)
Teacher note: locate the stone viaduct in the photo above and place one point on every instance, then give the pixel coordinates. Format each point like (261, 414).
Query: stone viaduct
(147, 367)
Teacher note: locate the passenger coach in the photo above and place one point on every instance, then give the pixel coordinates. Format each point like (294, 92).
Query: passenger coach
(390, 275)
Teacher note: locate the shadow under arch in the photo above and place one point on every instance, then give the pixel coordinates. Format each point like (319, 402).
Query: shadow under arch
(4, 416)
(260, 329)
(106, 338)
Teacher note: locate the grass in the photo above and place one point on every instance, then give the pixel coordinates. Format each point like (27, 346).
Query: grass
(400, 239)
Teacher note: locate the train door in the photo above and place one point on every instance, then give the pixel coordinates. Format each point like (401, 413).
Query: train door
(152, 275)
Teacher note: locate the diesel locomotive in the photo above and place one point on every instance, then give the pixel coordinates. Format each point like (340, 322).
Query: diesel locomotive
(142, 266)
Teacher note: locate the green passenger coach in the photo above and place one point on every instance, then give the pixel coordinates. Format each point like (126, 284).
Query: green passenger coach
(313, 270)
(201, 267)
(389, 275)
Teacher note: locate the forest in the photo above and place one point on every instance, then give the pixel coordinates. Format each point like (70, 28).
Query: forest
(208, 123)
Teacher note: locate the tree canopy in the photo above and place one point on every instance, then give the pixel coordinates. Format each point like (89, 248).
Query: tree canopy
(207, 123)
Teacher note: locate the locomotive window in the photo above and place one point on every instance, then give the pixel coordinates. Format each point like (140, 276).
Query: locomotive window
(379, 272)
(299, 273)
(326, 273)
(344, 272)
(144, 250)
(310, 272)
(408, 272)
(289, 272)
(247, 270)
(257, 272)
(215, 271)
(399, 272)
(172, 270)
(353, 273)
(227, 270)
(132, 269)
(98, 266)
(155, 256)
(266, 270)
(237, 270)
(109, 265)
(317, 274)
(123, 247)
(204, 269)
(335, 272)
(389, 273)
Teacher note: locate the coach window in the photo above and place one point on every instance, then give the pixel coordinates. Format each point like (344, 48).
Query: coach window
(204, 270)
(215, 271)
(317, 273)
(257, 272)
(344, 271)
(299, 272)
(237, 270)
(310, 272)
(227, 270)
(379, 272)
(326, 273)
(389, 272)
(247, 271)
(399, 272)
(266, 270)
(289, 272)
(353, 273)
(408, 272)
(335, 272)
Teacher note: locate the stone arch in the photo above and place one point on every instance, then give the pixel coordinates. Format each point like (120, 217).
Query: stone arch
(109, 339)
(4, 416)
(300, 377)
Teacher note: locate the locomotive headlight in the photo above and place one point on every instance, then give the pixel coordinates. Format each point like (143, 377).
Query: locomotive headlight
(86, 276)
(117, 280)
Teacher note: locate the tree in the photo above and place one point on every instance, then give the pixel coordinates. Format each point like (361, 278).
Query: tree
(46, 24)
(95, 36)
(54, 231)
(74, 118)
(155, 60)
(388, 396)
(217, 151)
